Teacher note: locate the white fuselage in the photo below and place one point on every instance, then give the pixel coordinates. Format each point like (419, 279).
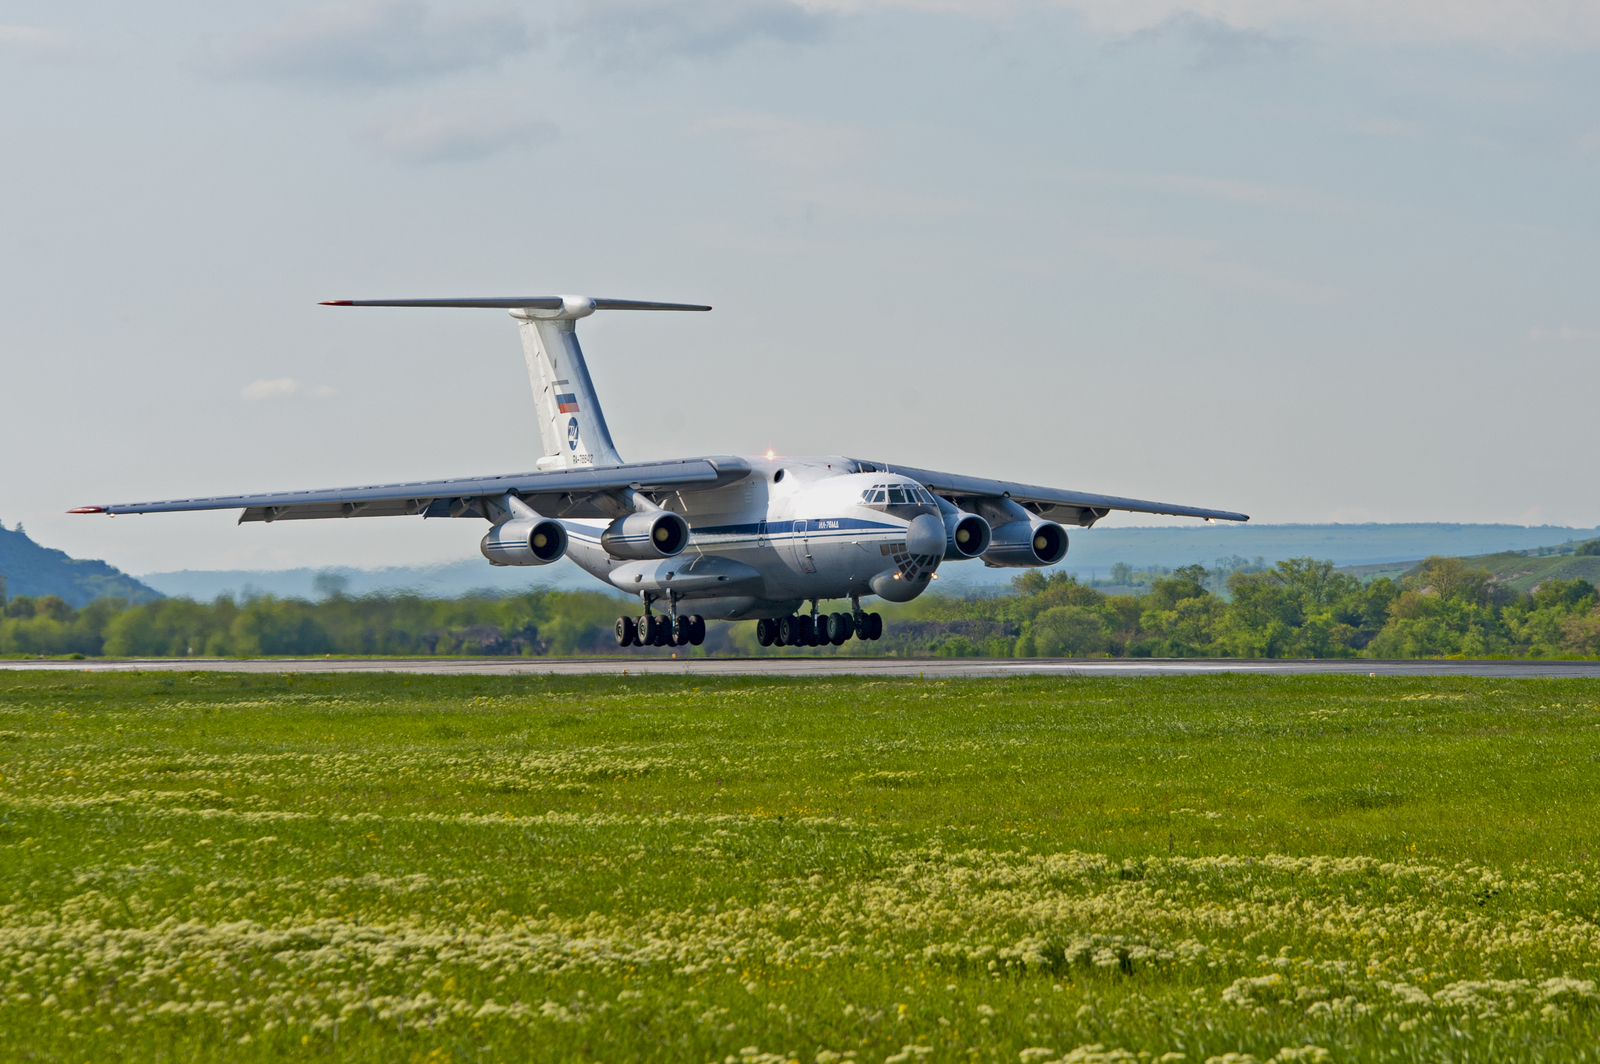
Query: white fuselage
(794, 530)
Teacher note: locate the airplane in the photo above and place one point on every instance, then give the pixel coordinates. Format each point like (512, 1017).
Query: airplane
(728, 537)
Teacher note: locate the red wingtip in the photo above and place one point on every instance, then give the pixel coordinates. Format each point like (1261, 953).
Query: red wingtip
(87, 510)
(337, 303)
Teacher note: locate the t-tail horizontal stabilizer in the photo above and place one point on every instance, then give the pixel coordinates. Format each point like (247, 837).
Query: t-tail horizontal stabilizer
(544, 306)
(571, 426)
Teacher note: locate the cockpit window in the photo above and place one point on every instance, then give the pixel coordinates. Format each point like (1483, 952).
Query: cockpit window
(901, 500)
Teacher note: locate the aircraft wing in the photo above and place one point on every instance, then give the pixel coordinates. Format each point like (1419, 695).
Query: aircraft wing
(556, 493)
(1068, 507)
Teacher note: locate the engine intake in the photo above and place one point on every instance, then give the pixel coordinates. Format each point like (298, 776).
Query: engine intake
(966, 536)
(525, 541)
(646, 536)
(1026, 544)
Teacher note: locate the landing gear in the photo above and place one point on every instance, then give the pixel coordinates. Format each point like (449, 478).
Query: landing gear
(649, 630)
(868, 625)
(821, 629)
(688, 631)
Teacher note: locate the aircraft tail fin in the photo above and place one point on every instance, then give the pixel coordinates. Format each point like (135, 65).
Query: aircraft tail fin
(571, 425)
(570, 421)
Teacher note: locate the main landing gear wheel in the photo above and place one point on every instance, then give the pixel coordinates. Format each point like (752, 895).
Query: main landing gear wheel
(764, 631)
(689, 631)
(627, 632)
(877, 625)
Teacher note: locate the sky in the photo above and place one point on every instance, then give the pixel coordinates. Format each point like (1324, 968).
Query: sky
(1307, 260)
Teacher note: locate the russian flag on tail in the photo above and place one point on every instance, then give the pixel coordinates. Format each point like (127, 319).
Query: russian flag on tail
(567, 404)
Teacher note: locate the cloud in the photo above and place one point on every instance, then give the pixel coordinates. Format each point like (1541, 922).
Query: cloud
(1215, 42)
(647, 31)
(1195, 258)
(1228, 190)
(26, 35)
(278, 388)
(1385, 127)
(1566, 334)
(377, 42)
(800, 156)
(282, 388)
(432, 136)
(1561, 24)
(791, 143)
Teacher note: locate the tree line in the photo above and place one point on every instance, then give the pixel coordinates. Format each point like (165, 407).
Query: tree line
(1299, 608)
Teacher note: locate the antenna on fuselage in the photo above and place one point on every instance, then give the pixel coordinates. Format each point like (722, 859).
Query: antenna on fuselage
(571, 425)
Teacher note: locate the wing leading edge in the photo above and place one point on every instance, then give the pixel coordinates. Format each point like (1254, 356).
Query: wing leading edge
(558, 493)
(1069, 507)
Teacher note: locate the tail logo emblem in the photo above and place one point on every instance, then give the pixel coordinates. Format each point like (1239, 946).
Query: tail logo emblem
(572, 432)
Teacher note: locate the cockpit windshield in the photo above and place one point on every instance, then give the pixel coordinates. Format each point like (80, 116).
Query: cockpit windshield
(900, 499)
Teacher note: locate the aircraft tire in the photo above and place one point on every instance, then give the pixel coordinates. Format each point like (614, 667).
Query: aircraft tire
(764, 631)
(641, 631)
(627, 631)
(682, 632)
(697, 630)
(839, 628)
(823, 626)
(877, 626)
(789, 631)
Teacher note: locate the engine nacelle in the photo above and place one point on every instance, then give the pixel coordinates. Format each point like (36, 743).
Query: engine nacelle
(966, 536)
(646, 536)
(525, 541)
(1026, 544)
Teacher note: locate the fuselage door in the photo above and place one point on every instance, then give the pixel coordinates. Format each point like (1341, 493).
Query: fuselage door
(802, 548)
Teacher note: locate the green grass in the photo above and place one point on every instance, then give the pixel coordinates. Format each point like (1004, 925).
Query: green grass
(388, 868)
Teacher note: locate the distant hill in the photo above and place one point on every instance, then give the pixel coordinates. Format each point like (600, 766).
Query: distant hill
(1390, 549)
(1369, 544)
(1522, 573)
(30, 569)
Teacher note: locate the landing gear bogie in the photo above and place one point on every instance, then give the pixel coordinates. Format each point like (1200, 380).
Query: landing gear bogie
(648, 630)
(825, 629)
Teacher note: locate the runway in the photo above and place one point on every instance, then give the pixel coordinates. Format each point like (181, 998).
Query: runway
(928, 668)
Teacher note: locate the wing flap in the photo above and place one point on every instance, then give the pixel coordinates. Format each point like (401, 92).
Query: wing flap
(459, 497)
(1070, 507)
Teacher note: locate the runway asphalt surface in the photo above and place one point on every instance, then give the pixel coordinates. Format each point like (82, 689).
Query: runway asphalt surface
(825, 666)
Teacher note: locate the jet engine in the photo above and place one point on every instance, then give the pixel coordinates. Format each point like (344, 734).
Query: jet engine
(1026, 544)
(525, 541)
(966, 534)
(646, 536)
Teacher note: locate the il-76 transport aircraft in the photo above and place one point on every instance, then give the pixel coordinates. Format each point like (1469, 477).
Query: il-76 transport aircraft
(726, 537)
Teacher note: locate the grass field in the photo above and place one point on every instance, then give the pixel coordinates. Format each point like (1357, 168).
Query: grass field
(428, 869)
